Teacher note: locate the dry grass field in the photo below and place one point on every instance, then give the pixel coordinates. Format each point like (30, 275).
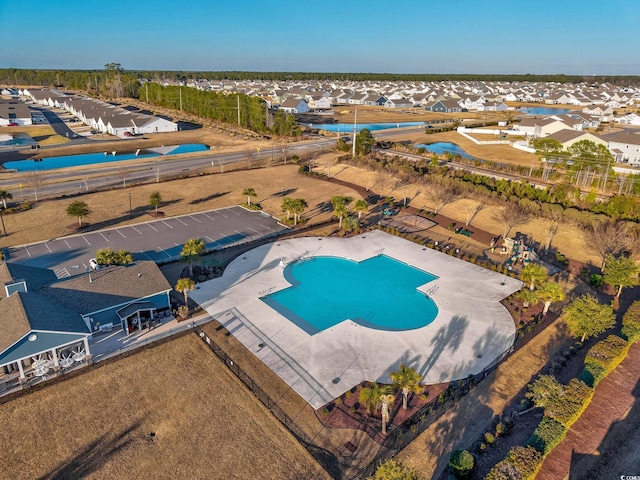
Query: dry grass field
(173, 411)
(43, 134)
(111, 208)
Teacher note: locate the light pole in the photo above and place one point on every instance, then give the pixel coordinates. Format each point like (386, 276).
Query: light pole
(130, 207)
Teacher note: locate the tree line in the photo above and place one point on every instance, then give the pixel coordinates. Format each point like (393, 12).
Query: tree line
(86, 80)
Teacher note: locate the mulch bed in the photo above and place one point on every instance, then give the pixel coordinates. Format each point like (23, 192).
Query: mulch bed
(347, 412)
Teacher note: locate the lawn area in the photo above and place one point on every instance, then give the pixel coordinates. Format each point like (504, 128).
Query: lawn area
(43, 134)
(173, 411)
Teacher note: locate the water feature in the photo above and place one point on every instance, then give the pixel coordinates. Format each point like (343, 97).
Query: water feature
(544, 110)
(379, 293)
(101, 157)
(348, 127)
(442, 148)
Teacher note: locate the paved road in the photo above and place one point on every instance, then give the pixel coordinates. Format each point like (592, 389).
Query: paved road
(158, 240)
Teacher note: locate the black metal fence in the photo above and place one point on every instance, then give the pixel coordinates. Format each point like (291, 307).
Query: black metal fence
(398, 436)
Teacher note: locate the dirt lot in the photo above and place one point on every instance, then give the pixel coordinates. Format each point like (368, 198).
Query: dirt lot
(169, 412)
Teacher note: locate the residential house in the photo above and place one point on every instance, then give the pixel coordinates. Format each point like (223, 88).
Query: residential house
(625, 146)
(445, 106)
(294, 105)
(398, 103)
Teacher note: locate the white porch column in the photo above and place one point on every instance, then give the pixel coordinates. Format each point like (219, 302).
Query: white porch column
(56, 363)
(21, 369)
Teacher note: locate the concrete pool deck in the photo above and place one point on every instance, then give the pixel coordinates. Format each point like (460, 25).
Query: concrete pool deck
(472, 329)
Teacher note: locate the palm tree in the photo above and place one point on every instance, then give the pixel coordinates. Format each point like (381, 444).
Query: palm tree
(249, 192)
(550, 292)
(408, 380)
(191, 252)
(386, 401)
(4, 195)
(105, 256)
(340, 207)
(370, 396)
(533, 274)
(183, 286)
(287, 206)
(529, 297)
(298, 206)
(360, 206)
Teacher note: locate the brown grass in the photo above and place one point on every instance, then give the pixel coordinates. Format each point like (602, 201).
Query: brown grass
(98, 425)
(48, 218)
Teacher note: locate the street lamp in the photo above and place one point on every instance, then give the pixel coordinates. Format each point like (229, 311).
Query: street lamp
(130, 207)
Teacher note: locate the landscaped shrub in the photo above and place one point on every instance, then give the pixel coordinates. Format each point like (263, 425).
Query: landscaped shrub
(592, 373)
(568, 408)
(520, 463)
(631, 322)
(547, 435)
(461, 463)
(596, 280)
(607, 354)
(489, 438)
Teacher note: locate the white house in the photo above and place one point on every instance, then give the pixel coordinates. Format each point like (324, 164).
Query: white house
(625, 146)
(294, 105)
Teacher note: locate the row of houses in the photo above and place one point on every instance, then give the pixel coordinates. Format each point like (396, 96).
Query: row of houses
(572, 127)
(46, 322)
(444, 96)
(100, 116)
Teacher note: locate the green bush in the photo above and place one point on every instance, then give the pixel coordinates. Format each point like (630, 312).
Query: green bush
(461, 463)
(521, 463)
(631, 322)
(547, 435)
(568, 408)
(607, 353)
(592, 373)
(596, 280)
(489, 438)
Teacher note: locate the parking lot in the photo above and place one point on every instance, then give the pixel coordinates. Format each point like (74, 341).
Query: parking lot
(157, 240)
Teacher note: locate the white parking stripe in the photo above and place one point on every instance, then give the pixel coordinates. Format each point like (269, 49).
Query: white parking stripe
(164, 252)
(85, 240)
(221, 214)
(176, 218)
(27, 250)
(191, 216)
(120, 233)
(145, 254)
(136, 229)
(103, 236)
(209, 217)
(167, 224)
(154, 228)
(68, 244)
(47, 245)
(233, 211)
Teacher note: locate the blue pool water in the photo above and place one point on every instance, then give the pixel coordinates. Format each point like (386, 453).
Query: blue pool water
(442, 148)
(379, 293)
(544, 110)
(348, 127)
(93, 158)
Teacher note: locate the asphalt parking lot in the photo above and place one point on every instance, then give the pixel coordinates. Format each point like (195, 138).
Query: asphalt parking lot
(157, 240)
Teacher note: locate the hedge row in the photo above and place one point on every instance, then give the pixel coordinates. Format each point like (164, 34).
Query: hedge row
(547, 435)
(520, 463)
(603, 358)
(631, 323)
(600, 361)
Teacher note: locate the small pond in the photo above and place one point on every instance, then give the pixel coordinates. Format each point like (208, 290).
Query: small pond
(101, 157)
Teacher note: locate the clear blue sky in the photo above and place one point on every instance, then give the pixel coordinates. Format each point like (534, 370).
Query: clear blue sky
(465, 36)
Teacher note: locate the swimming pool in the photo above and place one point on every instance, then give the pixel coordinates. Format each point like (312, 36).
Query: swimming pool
(348, 127)
(443, 148)
(101, 157)
(379, 293)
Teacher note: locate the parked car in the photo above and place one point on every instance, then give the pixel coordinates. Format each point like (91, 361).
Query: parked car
(12, 124)
(93, 264)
